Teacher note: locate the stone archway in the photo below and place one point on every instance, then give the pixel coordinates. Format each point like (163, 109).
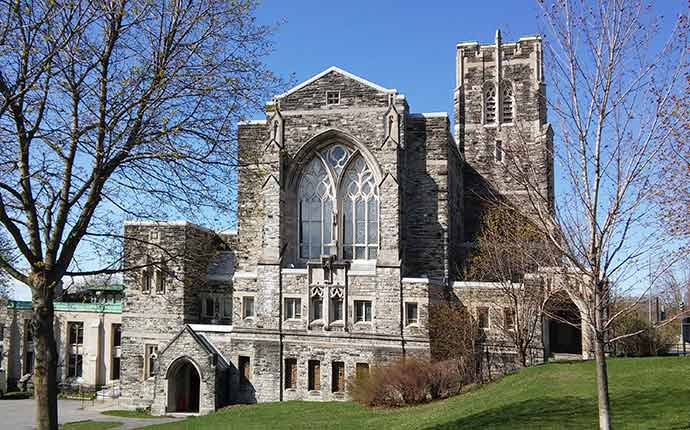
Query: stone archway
(563, 326)
(184, 387)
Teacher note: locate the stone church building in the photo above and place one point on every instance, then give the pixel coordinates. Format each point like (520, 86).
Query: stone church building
(354, 214)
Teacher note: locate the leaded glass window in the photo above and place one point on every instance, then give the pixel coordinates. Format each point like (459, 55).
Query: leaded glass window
(338, 167)
(360, 212)
(507, 104)
(490, 106)
(315, 211)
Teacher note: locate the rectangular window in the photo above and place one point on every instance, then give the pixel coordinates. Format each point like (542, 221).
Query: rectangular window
(146, 280)
(411, 313)
(362, 310)
(316, 308)
(227, 307)
(2, 332)
(483, 317)
(74, 365)
(499, 151)
(117, 335)
(508, 319)
(291, 373)
(362, 370)
(332, 97)
(29, 362)
(116, 368)
(150, 354)
(338, 375)
(293, 308)
(244, 365)
(247, 307)
(209, 307)
(336, 309)
(314, 377)
(160, 282)
(76, 333)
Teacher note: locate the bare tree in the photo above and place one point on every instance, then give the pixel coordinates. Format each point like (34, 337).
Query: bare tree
(7, 253)
(614, 68)
(112, 110)
(674, 196)
(510, 252)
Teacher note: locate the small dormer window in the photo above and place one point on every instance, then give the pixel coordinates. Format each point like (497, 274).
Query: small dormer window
(332, 97)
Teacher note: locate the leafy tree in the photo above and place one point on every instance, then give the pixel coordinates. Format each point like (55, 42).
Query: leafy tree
(112, 110)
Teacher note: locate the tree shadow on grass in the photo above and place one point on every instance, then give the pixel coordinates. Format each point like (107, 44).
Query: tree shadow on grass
(539, 413)
(643, 409)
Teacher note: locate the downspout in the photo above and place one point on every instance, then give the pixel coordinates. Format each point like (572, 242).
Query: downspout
(281, 363)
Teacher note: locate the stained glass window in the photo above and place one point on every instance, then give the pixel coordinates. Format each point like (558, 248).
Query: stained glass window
(315, 211)
(357, 202)
(360, 212)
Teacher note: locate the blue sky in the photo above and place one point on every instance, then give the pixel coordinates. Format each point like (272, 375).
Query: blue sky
(400, 44)
(405, 45)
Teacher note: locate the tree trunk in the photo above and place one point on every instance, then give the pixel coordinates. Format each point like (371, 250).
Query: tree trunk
(45, 352)
(602, 384)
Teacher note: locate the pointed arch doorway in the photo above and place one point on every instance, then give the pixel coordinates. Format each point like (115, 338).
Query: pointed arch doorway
(183, 387)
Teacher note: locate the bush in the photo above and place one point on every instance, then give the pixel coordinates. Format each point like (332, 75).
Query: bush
(453, 334)
(651, 341)
(409, 382)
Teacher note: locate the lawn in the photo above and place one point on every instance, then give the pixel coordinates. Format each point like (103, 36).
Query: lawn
(131, 414)
(90, 425)
(647, 393)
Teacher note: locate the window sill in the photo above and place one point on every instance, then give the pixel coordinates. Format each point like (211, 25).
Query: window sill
(412, 325)
(293, 319)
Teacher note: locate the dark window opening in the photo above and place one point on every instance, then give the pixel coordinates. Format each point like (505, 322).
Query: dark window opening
(291, 373)
(244, 364)
(338, 375)
(314, 383)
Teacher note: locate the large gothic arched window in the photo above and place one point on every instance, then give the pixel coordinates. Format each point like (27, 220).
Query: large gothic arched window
(338, 180)
(315, 210)
(360, 212)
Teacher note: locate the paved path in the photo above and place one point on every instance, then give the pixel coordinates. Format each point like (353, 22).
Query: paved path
(21, 414)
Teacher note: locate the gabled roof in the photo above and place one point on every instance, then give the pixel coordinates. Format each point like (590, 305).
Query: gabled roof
(203, 342)
(342, 72)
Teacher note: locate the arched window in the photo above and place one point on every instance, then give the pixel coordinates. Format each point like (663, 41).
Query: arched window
(490, 105)
(507, 109)
(315, 210)
(359, 196)
(356, 228)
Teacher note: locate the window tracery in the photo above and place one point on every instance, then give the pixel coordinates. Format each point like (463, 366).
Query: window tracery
(507, 103)
(338, 181)
(490, 106)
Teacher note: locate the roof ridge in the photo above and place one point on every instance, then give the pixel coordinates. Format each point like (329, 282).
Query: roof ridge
(342, 72)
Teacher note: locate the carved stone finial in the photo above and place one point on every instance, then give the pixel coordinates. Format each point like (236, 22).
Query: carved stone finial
(498, 36)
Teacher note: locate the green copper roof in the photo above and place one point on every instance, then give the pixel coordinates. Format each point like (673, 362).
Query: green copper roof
(110, 308)
(112, 287)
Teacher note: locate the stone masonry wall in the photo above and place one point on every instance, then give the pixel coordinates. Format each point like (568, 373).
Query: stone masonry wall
(182, 251)
(527, 138)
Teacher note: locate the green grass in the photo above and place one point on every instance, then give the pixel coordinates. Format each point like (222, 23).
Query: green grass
(90, 425)
(131, 414)
(646, 393)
